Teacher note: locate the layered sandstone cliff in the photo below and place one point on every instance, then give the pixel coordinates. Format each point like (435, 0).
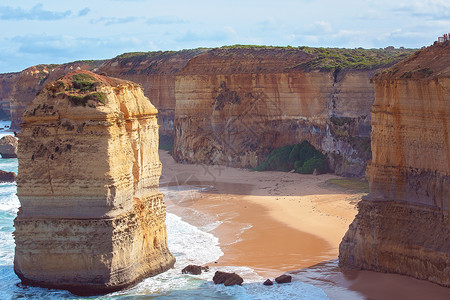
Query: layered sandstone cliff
(403, 224)
(155, 72)
(17, 90)
(91, 217)
(235, 105)
(301, 93)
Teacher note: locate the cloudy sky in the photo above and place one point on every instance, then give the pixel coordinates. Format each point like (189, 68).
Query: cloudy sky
(55, 31)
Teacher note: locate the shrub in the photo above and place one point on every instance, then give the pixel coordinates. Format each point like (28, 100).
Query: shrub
(83, 82)
(78, 100)
(308, 167)
(291, 157)
(278, 160)
(165, 142)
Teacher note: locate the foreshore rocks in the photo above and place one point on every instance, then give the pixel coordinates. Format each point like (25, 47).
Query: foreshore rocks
(7, 176)
(91, 218)
(194, 269)
(403, 224)
(8, 147)
(283, 279)
(227, 279)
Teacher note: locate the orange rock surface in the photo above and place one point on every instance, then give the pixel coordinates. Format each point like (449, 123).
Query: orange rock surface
(91, 219)
(234, 106)
(403, 224)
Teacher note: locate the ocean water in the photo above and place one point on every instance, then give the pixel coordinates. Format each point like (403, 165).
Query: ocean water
(188, 243)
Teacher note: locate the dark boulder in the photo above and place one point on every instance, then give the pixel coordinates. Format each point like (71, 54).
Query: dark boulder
(7, 176)
(283, 279)
(194, 270)
(227, 279)
(268, 282)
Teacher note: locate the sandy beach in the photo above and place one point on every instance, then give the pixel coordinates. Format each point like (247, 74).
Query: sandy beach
(275, 222)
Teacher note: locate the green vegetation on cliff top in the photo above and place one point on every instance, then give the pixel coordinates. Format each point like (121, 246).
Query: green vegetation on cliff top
(323, 59)
(327, 59)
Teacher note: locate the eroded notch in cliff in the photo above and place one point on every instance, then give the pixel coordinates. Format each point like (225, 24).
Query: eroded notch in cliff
(225, 96)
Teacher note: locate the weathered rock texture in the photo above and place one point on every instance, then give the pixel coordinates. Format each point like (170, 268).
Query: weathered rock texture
(8, 147)
(91, 217)
(403, 224)
(250, 100)
(234, 106)
(7, 176)
(17, 90)
(155, 72)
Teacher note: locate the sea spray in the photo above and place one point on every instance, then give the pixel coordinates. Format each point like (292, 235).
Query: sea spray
(190, 244)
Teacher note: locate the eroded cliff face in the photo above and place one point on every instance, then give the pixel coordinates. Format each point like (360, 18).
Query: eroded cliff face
(91, 217)
(17, 90)
(233, 107)
(155, 72)
(282, 94)
(403, 224)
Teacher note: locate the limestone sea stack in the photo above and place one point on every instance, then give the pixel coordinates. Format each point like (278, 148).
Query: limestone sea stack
(8, 147)
(403, 224)
(91, 219)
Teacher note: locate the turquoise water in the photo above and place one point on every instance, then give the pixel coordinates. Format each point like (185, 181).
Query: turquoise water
(189, 244)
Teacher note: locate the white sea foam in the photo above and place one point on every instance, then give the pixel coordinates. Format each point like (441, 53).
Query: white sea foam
(189, 244)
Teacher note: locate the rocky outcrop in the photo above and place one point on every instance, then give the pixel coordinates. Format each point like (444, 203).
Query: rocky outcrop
(7, 176)
(234, 106)
(8, 147)
(403, 224)
(91, 217)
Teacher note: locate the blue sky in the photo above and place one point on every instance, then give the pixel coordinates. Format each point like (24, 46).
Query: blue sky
(55, 31)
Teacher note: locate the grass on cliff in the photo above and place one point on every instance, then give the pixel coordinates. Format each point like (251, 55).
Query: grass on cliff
(79, 100)
(303, 157)
(328, 59)
(354, 184)
(83, 82)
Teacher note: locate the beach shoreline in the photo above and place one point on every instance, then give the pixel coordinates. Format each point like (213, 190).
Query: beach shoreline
(275, 223)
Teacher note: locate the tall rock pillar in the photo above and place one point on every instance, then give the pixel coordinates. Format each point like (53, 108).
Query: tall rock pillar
(403, 224)
(91, 219)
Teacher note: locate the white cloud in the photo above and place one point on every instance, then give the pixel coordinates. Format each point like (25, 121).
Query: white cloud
(37, 12)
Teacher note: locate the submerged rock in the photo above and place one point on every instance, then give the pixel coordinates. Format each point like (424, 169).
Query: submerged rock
(92, 219)
(228, 279)
(194, 270)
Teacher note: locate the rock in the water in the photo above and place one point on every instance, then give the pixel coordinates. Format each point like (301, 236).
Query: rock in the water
(194, 270)
(7, 176)
(227, 279)
(92, 219)
(268, 282)
(8, 147)
(403, 225)
(283, 279)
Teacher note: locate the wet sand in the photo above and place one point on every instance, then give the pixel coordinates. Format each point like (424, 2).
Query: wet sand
(275, 222)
